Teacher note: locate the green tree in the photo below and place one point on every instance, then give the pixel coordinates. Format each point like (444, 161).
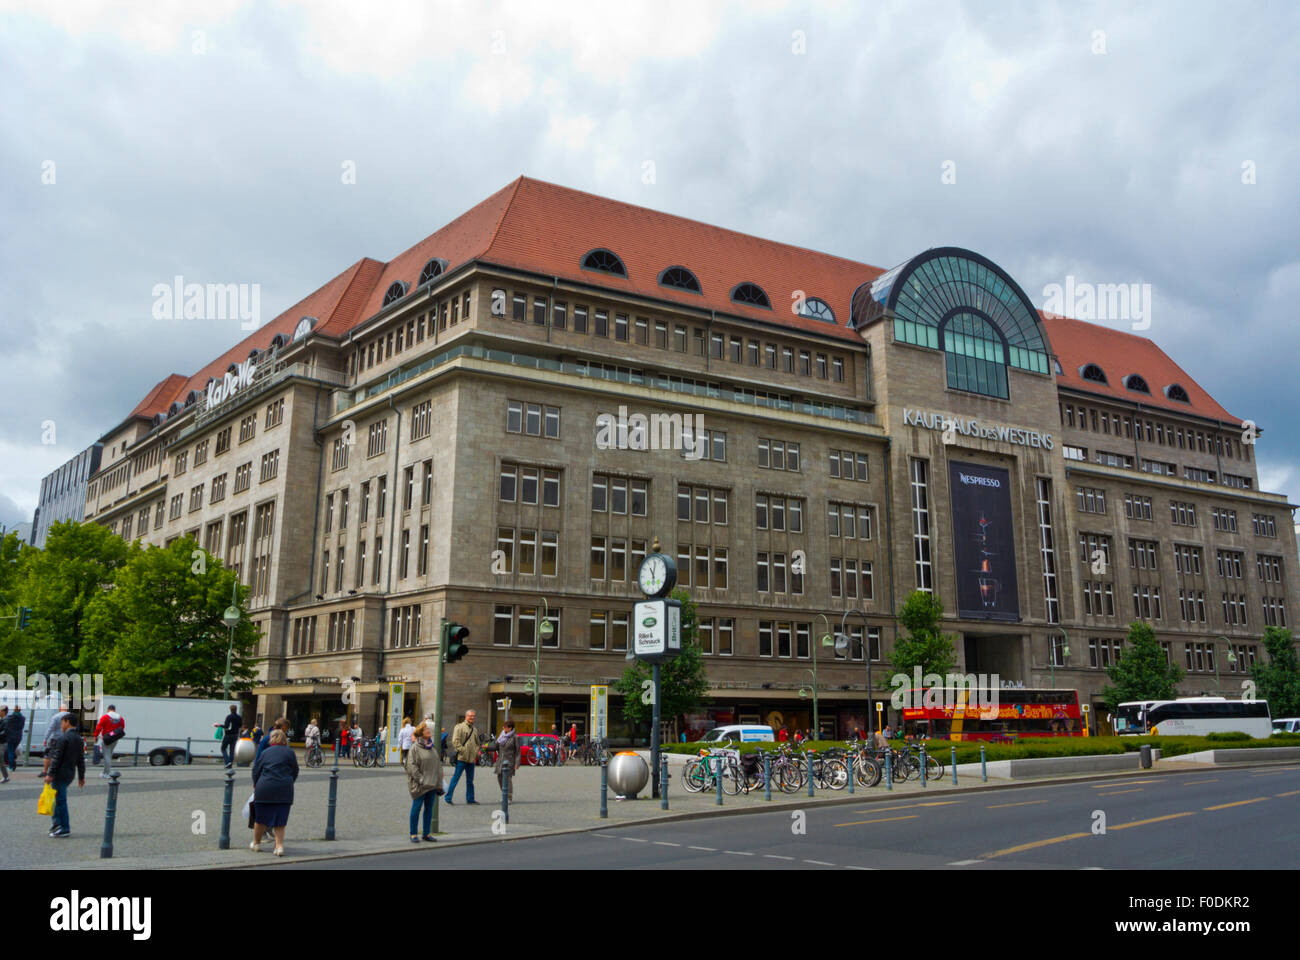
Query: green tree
(59, 583)
(925, 645)
(1142, 671)
(160, 627)
(682, 678)
(14, 644)
(1278, 681)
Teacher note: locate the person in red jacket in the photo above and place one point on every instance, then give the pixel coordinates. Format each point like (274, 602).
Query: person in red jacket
(110, 729)
(783, 734)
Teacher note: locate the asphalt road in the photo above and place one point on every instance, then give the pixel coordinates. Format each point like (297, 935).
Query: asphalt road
(1230, 819)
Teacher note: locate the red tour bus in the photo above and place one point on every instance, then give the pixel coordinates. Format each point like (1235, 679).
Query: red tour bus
(962, 714)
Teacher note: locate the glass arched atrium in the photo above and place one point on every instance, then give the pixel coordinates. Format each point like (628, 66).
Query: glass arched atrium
(957, 301)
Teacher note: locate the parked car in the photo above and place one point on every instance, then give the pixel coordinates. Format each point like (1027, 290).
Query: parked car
(528, 743)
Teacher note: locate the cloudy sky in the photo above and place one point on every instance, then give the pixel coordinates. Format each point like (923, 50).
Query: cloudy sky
(140, 141)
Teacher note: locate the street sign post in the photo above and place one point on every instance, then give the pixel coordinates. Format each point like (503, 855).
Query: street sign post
(396, 701)
(599, 712)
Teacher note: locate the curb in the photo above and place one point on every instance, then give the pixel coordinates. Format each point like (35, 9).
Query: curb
(839, 799)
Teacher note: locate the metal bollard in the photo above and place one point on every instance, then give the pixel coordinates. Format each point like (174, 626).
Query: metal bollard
(810, 772)
(889, 769)
(505, 790)
(110, 817)
(135, 761)
(663, 781)
(923, 766)
(604, 786)
(767, 778)
(223, 841)
(334, 799)
(849, 763)
(954, 766)
(984, 768)
(189, 758)
(717, 778)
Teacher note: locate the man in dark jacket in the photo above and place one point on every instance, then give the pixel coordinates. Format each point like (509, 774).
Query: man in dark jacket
(230, 734)
(67, 756)
(14, 724)
(4, 739)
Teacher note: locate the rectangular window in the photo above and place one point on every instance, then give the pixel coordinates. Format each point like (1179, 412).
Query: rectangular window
(921, 525)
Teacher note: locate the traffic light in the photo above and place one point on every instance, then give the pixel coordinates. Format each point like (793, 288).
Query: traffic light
(454, 636)
(24, 617)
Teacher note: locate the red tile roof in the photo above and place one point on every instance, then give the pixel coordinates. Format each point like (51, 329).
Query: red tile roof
(547, 229)
(160, 397)
(1119, 353)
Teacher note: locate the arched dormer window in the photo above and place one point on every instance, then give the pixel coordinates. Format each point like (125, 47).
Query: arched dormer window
(1090, 371)
(1175, 392)
(278, 341)
(814, 308)
(679, 278)
(395, 292)
(606, 261)
(1136, 384)
(434, 268)
(751, 295)
(191, 398)
(174, 409)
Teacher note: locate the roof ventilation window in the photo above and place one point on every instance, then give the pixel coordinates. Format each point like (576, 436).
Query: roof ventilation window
(606, 261)
(1090, 371)
(816, 309)
(1136, 384)
(679, 278)
(395, 292)
(1057, 364)
(434, 268)
(750, 294)
(1175, 392)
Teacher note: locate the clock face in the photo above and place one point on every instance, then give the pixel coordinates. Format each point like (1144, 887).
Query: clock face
(656, 576)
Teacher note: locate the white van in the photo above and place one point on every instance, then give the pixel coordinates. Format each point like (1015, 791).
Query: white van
(741, 732)
(1286, 725)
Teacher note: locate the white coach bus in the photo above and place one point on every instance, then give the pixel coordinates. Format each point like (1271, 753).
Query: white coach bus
(1193, 717)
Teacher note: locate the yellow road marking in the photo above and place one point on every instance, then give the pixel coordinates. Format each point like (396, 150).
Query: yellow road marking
(1031, 846)
(1119, 783)
(1270, 773)
(1116, 793)
(909, 806)
(1022, 804)
(1289, 793)
(1235, 803)
(1142, 823)
(1188, 783)
(855, 823)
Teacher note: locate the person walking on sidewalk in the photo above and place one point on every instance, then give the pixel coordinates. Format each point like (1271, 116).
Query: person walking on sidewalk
(14, 723)
(507, 752)
(406, 736)
(274, 773)
(55, 726)
(230, 729)
(466, 744)
(423, 764)
(109, 730)
(65, 756)
(4, 748)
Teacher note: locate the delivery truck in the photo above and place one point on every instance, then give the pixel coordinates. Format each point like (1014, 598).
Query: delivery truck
(166, 730)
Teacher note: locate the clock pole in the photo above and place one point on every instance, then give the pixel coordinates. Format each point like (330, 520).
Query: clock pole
(654, 722)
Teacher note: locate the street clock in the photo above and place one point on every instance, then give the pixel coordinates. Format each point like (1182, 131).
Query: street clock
(658, 575)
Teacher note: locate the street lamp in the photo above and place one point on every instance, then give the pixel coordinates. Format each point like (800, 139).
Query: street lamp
(541, 632)
(231, 616)
(866, 650)
(1232, 660)
(826, 641)
(1065, 652)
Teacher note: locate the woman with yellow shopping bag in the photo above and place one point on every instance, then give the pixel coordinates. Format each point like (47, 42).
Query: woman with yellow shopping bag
(67, 756)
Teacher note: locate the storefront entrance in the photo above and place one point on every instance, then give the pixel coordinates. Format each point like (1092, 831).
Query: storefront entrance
(1001, 654)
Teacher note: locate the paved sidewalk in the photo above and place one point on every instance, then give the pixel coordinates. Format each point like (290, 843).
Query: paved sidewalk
(170, 817)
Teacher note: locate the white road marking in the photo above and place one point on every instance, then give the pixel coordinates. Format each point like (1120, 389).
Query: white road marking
(820, 863)
(776, 856)
(665, 843)
(849, 866)
(710, 849)
(962, 863)
(635, 839)
(738, 853)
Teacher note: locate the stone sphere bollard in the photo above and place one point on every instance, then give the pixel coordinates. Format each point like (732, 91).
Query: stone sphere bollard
(628, 774)
(245, 751)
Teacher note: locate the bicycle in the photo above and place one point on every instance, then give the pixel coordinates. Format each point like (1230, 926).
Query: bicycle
(721, 762)
(828, 772)
(315, 756)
